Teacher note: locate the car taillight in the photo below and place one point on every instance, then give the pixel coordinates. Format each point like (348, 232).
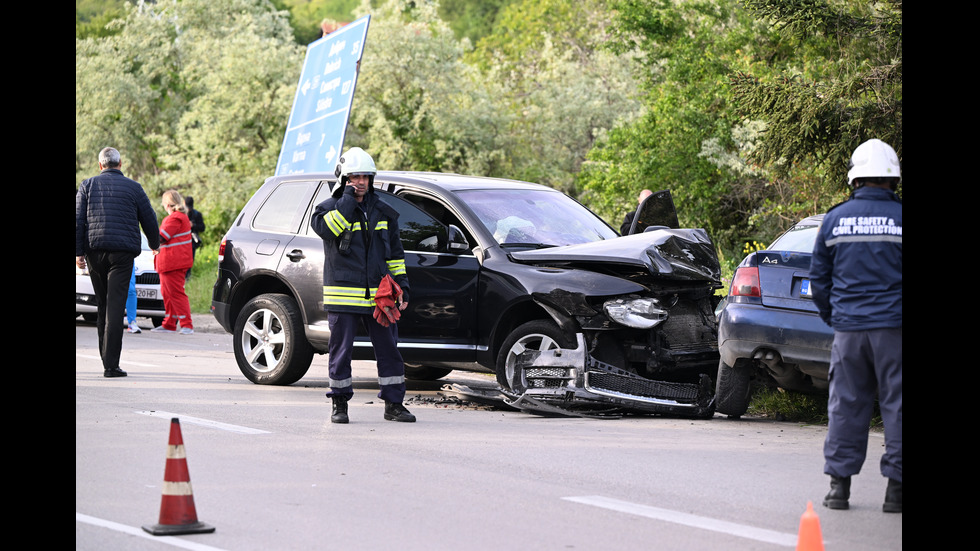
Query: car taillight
(221, 250)
(745, 283)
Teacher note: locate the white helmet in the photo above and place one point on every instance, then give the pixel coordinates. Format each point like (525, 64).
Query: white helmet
(355, 161)
(873, 159)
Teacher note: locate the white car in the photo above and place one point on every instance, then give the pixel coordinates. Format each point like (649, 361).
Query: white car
(149, 300)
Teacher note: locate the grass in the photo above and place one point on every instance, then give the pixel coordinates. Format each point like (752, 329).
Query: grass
(795, 407)
(201, 282)
(789, 406)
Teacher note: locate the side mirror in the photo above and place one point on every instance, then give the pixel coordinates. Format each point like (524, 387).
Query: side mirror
(457, 240)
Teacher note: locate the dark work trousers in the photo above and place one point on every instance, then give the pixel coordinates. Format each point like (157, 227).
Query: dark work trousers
(110, 272)
(391, 368)
(861, 363)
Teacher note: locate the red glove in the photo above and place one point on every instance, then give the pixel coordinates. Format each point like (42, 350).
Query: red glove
(386, 308)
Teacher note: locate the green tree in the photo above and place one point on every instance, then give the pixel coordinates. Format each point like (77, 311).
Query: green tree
(817, 118)
(418, 105)
(686, 52)
(195, 95)
(92, 17)
(562, 88)
(305, 16)
(471, 19)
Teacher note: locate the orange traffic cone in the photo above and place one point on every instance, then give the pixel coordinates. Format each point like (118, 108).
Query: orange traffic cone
(810, 538)
(177, 512)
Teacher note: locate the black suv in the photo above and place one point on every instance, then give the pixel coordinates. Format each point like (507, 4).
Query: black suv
(507, 277)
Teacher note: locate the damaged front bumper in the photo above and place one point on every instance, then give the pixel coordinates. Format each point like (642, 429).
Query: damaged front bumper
(571, 382)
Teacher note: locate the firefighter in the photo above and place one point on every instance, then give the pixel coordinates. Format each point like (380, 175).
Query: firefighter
(856, 274)
(361, 245)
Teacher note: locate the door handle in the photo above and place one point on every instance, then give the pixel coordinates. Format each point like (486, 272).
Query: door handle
(295, 255)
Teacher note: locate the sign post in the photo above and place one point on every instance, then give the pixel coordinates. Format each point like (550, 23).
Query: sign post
(318, 122)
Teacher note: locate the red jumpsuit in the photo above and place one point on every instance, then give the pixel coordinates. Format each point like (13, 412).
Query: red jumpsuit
(175, 257)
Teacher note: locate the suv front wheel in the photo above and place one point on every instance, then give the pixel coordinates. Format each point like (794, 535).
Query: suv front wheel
(541, 335)
(270, 345)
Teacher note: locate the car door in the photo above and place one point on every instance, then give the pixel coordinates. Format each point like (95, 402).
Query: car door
(439, 324)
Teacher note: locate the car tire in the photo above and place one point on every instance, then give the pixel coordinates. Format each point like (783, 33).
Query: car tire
(269, 341)
(533, 335)
(733, 388)
(425, 373)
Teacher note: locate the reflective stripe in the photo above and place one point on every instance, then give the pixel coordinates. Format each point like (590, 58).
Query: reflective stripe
(336, 222)
(169, 237)
(865, 239)
(391, 380)
(397, 267)
(342, 383)
(348, 296)
(177, 488)
(172, 244)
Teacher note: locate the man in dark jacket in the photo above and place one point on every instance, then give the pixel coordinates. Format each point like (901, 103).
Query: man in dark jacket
(197, 227)
(361, 245)
(856, 275)
(624, 228)
(109, 211)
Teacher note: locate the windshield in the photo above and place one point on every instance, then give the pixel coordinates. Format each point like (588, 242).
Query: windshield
(536, 217)
(799, 239)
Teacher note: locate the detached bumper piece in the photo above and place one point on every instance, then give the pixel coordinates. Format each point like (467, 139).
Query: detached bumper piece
(571, 382)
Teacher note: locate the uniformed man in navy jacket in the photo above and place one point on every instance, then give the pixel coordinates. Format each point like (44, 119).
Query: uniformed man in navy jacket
(856, 274)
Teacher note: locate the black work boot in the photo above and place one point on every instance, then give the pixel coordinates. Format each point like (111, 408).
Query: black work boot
(397, 412)
(840, 492)
(893, 497)
(339, 414)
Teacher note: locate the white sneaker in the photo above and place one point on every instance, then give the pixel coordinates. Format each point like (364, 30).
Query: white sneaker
(186, 331)
(162, 329)
(133, 328)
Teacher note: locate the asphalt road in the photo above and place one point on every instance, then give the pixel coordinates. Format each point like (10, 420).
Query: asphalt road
(270, 472)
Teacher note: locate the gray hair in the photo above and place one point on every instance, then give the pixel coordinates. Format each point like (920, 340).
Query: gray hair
(109, 158)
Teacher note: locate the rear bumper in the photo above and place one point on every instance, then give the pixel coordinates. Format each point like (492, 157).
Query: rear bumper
(221, 299)
(220, 312)
(798, 337)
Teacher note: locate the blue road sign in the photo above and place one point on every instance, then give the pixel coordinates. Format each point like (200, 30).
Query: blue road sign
(318, 122)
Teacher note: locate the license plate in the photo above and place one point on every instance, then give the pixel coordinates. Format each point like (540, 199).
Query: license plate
(805, 290)
(150, 294)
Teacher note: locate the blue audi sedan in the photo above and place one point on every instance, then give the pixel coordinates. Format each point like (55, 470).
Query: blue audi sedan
(769, 331)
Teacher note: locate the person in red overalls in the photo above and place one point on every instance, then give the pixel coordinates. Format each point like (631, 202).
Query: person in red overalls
(172, 261)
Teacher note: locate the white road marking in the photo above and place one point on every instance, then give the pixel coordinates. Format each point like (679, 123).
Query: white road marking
(203, 422)
(677, 517)
(140, 533)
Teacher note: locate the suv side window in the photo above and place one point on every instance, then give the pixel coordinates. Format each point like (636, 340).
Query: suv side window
(283, 210)
(418, 230)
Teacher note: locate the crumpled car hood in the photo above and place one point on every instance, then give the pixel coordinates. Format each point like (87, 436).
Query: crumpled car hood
(679, 254)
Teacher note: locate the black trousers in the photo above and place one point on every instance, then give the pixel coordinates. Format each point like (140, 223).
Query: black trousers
(110, 272)
(384, 340)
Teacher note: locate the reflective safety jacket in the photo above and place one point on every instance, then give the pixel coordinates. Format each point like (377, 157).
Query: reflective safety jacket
(361, 244)
(856, 268)
(176, 250)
